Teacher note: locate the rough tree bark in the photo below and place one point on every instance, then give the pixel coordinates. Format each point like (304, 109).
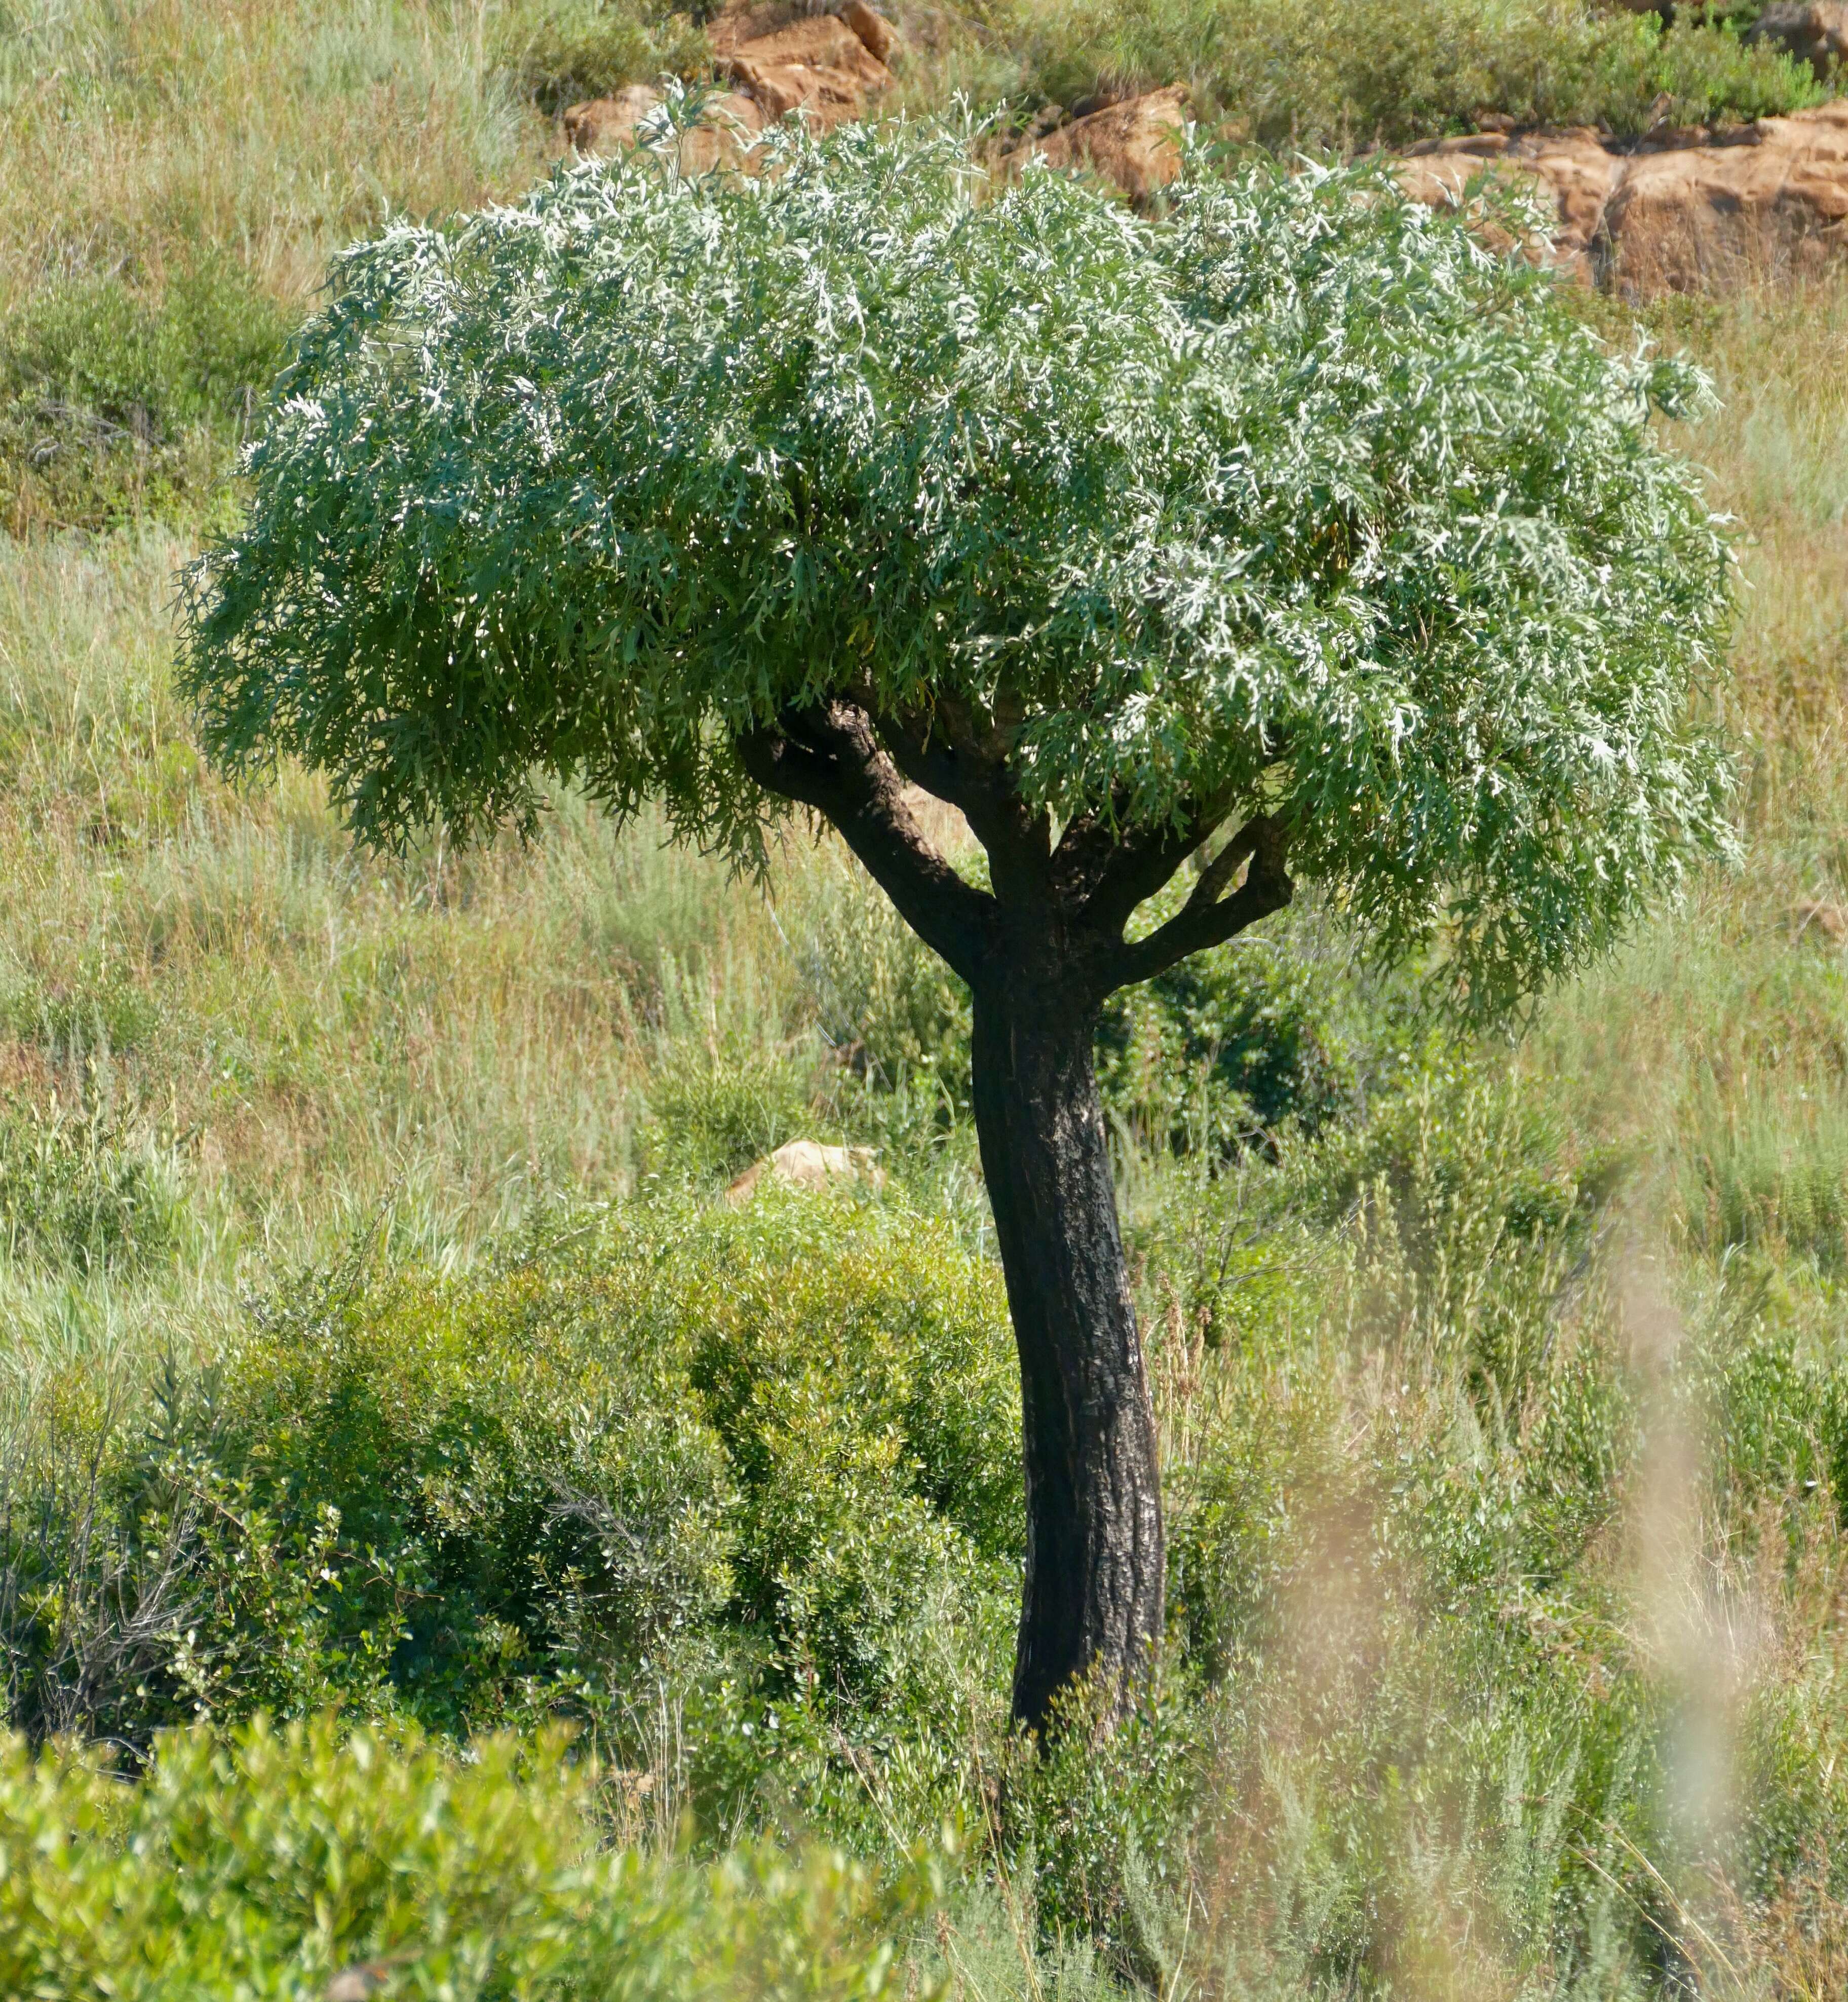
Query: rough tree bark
(1041, 953)
(1092, 1597)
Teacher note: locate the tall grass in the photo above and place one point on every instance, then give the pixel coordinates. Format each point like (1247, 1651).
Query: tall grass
(1443, 1713)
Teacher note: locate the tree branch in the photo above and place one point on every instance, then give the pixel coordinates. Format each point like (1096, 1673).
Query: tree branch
(959, 759)
(1115, 872)
(1207, 919)
(828, 759)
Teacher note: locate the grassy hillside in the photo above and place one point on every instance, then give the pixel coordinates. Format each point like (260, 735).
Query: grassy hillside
(375, 1341)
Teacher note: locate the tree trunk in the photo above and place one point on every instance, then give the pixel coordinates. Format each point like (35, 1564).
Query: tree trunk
(1092, 1602)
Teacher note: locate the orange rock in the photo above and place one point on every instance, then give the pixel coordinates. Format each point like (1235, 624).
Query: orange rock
(1813, 31)
(828, 67)
(817, 66)
(1695, 216)
(727, 129)
(750, 21)
(606, 123)
(1696, 208)
(808, 1164)
(1135, 144)
(1574, 171)
(873, 29)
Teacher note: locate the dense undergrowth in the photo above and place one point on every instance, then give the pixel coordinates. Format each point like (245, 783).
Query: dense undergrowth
(378, 1343)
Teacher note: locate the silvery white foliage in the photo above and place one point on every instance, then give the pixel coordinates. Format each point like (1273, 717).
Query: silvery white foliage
(1294, 496)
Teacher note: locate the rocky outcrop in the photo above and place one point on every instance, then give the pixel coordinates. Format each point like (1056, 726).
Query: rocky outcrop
(726, 130)
(1677, 210)
(1135, 145)
(1572, 171)
(1694, 209)
(1813, 31)
(830, 68)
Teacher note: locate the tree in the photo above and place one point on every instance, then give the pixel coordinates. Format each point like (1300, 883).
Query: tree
(1289, 533)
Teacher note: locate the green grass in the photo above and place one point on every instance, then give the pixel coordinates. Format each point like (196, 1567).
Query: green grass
(374, 1332)
(1355, 72)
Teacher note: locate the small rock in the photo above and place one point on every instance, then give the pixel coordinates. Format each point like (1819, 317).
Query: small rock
(808, 1164)
(357, 1983)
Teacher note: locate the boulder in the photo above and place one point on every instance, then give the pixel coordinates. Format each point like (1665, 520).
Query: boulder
(1692, 209)
(1688, 217)
(808, 1164)
(1813, 31)
(727, 130)
(873, 29)
(779, 58)
(1572, 171)
(819, 66)
(1136, 144)
(606, 123)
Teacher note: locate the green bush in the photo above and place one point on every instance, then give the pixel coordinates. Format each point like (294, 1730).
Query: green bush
(561, 52)
(1229, 1046)
(80, 1192)
(118, 398)
(100, 1010)
(275, 1863)
(713, 1113)
(774, 1453)
(887, 1005)
(1353, 72)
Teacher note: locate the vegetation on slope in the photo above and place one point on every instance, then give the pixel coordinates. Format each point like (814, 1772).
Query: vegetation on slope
(1501, 1389)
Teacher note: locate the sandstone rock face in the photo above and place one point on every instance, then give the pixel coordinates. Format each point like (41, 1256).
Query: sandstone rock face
(1703, 215)
(819, 66)
(873, 29)
(828, 67)
(606, 123)
(1573, 170)
(1813, 31)
(1136, 144)
(1699, 210)
(724, 135)
(808, 1164)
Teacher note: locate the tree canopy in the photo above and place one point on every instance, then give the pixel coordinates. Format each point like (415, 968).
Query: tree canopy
(1292, 501)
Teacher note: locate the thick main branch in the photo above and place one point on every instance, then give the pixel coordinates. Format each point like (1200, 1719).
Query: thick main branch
(828, 759)
(962, 759)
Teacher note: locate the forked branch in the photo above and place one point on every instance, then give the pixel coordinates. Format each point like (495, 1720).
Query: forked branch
(828, 759)
(1208, 918)
(964, 760)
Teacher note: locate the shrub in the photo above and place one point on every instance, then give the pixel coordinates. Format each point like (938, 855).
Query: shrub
(82, 1192)
(778, 1450)
(118, 398)
(1354, 72)
(275, 1862)
(712, 1113)
(1233, 1044)
(561, 52)
(99, 1010)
